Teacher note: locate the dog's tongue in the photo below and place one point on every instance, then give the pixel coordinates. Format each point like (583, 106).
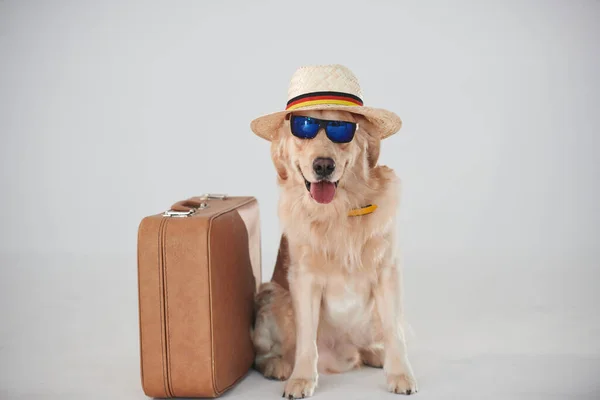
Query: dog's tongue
(322, 192)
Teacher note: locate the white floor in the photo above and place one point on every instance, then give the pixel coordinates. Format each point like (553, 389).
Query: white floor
(481, 329)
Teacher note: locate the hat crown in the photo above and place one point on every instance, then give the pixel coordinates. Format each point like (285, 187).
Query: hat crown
(323, 78)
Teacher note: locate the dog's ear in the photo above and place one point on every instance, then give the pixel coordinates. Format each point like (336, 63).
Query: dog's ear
(278, 159)
(373, 142)
(279, 156)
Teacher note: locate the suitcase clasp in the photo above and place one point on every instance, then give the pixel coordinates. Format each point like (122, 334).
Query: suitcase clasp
(187, 208)
(187, 213)
(213, 196)
(171, 213)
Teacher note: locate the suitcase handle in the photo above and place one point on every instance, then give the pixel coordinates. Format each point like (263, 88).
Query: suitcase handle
(187, 208)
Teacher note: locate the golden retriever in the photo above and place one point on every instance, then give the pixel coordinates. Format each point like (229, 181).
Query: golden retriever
(334, 301)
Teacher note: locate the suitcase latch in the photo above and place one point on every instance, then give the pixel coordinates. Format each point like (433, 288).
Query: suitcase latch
(213, 196)
(183, 214)
(187, 208)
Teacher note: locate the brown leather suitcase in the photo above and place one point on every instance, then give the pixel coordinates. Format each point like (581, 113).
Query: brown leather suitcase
(199, 266)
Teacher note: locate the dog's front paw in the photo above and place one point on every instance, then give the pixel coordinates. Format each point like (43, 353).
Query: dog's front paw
(296, 388)
(402, 383)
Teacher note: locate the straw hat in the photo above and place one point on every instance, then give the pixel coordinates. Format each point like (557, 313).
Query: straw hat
(327, 87)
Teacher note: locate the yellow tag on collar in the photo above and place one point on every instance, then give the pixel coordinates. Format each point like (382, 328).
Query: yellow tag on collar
(363, 210)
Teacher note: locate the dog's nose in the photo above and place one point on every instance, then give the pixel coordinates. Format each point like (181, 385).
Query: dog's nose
(323, 166)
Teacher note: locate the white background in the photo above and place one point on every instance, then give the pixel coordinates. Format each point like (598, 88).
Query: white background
(111, 111)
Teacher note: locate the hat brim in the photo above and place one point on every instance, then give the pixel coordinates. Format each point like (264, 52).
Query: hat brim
(386, 122)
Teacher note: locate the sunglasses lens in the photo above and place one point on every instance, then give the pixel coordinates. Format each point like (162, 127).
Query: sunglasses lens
(304, 127)
(340, 131)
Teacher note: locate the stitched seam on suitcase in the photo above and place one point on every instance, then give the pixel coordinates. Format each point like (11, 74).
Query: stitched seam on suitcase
(212, 350)
(218, 391)
(163, 310)
(160, 299)
(167, 326)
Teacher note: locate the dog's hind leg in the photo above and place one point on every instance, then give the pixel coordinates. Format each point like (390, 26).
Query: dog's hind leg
(274, 332)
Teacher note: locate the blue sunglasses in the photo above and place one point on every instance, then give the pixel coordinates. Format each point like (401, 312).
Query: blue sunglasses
(336, 131)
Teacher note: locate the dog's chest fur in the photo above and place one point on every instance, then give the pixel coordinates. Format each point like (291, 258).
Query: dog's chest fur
(348, 301)
(346, 260)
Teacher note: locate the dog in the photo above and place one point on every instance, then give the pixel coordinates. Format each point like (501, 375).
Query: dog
(334, 301)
